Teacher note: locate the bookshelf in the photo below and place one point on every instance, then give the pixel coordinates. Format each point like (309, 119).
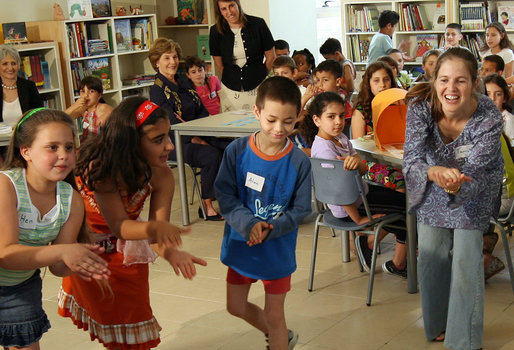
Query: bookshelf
(185, 34)
(51, 91)
(82, 52)
(474, 16)
(416, 19)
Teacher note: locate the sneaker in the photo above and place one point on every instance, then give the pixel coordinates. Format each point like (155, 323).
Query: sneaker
(391, 269)
(293, 339)
(363, 252)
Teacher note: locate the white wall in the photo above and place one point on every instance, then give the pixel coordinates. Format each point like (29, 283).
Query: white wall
(259, 8)
(295, 22)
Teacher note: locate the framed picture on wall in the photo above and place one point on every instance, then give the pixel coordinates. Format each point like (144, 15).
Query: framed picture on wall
(15, 33)
(101, 8)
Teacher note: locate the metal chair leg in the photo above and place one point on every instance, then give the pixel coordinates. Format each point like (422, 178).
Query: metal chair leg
(313, 257)
(506, 248)
(345, 246)
(373, 265)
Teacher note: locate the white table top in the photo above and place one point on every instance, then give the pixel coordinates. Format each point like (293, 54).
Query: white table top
(367, 147)
(228, 124)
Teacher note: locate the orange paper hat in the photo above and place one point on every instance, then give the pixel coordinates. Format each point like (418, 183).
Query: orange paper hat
(389, 120)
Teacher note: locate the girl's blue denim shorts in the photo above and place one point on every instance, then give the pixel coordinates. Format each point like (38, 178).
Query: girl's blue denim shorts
(22, 318)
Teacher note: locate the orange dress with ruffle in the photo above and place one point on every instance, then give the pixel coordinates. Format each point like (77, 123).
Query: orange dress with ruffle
(122, 319)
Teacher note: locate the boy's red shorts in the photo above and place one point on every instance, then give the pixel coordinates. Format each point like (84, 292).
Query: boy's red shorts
(278, 286)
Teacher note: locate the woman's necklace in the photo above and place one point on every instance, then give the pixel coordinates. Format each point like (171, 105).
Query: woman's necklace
(7, 87)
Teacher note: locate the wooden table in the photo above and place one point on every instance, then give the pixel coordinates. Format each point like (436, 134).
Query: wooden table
(369, 151)
(228, 124)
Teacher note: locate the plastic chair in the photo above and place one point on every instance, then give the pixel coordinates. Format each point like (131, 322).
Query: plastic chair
(501, 223)
(334, 185)
(195, 186)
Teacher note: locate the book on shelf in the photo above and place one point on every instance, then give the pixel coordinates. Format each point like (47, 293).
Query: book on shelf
(413, 17)
(123, 34)
(202, 44)
(473, 41)
(50, 102)
(15, 33)
(141, 33)
(472, 15)
(25, 67)
(506, 16)
(439, 18)
(425, 42)
(99, 67)
(99, 39)
(101, 8)
(138, 80)
(363, 19)
(80, 9)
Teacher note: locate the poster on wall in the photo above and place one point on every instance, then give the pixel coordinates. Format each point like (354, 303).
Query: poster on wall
(79, 9)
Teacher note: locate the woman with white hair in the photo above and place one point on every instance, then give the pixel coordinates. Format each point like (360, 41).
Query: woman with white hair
(18, 94)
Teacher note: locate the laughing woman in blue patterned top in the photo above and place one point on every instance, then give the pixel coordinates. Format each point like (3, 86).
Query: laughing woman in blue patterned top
(453, 167)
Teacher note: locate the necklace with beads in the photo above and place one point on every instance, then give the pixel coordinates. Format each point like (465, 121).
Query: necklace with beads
(7, 87)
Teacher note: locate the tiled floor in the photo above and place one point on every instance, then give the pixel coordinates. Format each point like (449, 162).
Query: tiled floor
(333, 316)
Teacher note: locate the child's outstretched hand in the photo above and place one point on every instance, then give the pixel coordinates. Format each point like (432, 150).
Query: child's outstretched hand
(259, 232)
(165, 234)
(83, 260)
(183, 262)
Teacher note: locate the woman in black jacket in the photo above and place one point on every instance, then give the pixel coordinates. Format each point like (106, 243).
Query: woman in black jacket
(18, 94)
(239, 43)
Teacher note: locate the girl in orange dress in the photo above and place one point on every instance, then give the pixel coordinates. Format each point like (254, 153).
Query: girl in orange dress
(116, 171)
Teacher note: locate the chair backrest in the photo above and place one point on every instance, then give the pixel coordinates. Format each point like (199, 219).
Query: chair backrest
(333, 184)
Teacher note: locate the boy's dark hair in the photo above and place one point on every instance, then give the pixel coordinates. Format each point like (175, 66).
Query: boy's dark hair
(456, 26)
(330, 46)
(309, 57)
(284, 61)
(387, 17)
(502, 84)
(307, 128)
(392, 50)
(331, 66)
(114, 155)
(281, 44)
(427, 54)
(279, 89)
(496, 59)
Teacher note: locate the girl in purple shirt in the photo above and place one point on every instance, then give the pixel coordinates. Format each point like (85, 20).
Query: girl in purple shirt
(324, 129)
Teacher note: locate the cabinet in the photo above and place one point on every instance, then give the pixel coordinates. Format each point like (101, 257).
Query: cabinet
(185, 34)
(416, 23)
(51, 92)
(126, 54)
(474, 16)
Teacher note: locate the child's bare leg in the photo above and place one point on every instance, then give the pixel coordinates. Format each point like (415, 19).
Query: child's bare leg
(276, 320)
(400, 255)
(371, 238)
(238, 305)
